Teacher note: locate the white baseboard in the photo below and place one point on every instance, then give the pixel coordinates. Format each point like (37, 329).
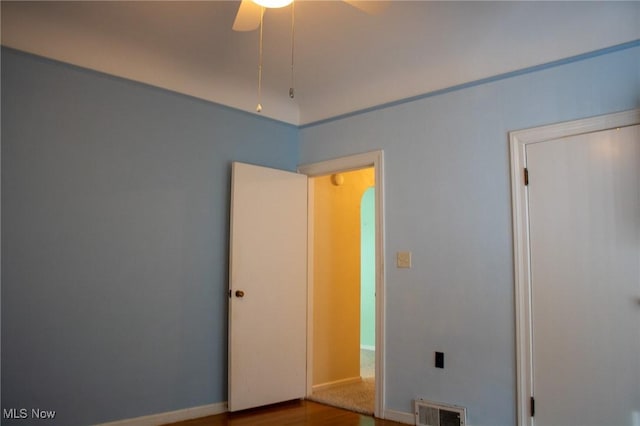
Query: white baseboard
(368, 347)
(333, 384)
(400, 417)
(172, 416)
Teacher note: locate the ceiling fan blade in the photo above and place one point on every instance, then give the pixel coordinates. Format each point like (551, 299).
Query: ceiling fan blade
(372, 7)
(248, 17)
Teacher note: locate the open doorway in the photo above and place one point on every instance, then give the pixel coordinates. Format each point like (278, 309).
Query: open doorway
(374, 160)
(277, 215)
(344, 290)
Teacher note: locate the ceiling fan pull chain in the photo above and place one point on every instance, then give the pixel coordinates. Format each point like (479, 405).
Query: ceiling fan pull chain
(293, 32)
(259, 107)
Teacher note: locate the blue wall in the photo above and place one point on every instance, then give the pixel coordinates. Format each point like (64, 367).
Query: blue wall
(114, 232)
(447, 199)
(114, 244)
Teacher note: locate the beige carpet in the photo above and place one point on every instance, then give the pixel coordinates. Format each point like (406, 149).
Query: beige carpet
(357, 397)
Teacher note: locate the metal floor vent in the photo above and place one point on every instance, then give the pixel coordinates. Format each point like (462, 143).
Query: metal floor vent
(430, 413)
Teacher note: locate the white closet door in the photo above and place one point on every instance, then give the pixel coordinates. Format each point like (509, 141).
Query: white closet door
(584, 209)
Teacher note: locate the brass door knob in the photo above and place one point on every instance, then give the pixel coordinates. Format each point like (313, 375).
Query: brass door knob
(239, 293)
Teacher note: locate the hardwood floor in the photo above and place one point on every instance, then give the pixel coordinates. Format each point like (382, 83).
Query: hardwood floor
(291, 414)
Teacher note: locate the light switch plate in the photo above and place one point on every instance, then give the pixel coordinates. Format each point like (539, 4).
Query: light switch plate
(403, 259)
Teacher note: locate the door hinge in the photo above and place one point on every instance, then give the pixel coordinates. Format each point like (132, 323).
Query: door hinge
(229, 293)
(526, 176)
(533, 406)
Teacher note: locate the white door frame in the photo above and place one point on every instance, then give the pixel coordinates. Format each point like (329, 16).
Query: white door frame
(521, 254)
(353, 162)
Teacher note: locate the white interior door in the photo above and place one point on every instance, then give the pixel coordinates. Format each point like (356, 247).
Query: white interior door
(584, 211)
(268, 287)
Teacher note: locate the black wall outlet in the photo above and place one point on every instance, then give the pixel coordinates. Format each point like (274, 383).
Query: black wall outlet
(439, 359)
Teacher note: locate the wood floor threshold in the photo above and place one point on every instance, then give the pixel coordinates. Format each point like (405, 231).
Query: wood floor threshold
(298, 412)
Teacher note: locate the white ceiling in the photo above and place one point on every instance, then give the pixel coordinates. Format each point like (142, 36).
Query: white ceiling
(345, 60)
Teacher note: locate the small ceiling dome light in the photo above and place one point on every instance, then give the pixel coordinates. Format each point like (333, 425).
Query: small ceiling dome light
(273, 4)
